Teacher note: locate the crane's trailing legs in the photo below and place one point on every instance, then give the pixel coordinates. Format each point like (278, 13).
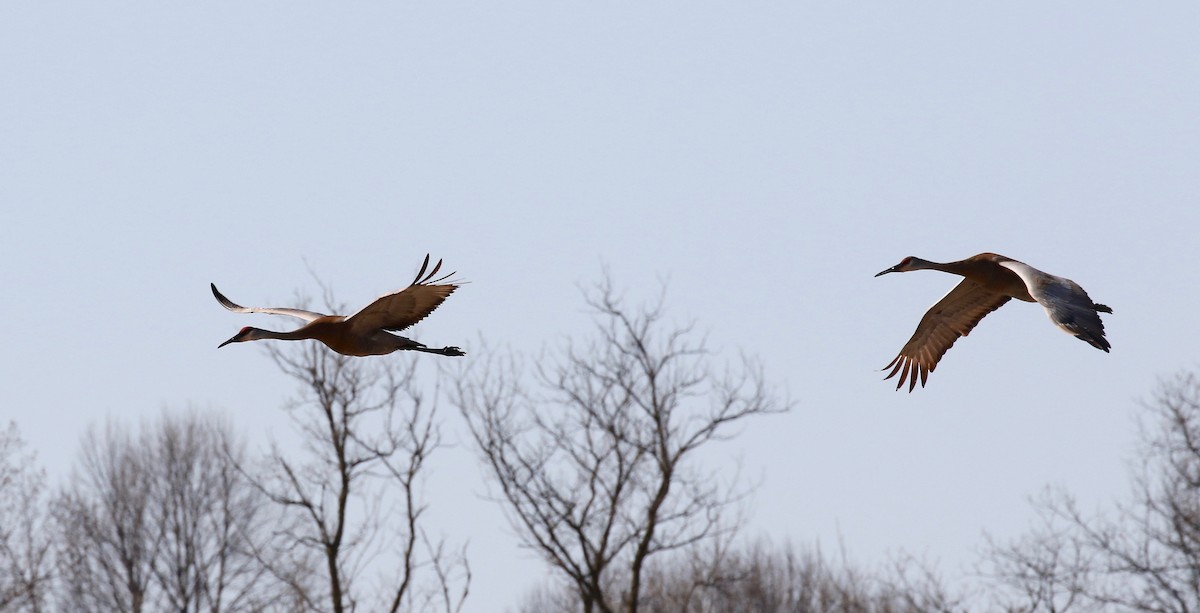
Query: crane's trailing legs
(451, 351)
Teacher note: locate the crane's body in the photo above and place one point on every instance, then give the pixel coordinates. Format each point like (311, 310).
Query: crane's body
(331, 330)
(989, 281)
(367, 332)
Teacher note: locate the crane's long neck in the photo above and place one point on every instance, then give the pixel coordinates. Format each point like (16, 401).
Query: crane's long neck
(982, 271)
(961, 267)
(291, 335)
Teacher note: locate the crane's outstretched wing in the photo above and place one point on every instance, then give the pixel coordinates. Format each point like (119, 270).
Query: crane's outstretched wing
(953, 316)
(307, 316)
(1069, 307)
(395, 312)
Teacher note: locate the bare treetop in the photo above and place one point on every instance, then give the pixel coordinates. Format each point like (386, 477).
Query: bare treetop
(352, 499)
(1142, 556)
(595, 466)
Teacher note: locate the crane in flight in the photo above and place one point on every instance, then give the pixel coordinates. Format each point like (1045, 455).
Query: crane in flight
(989, 281)
(367, 332)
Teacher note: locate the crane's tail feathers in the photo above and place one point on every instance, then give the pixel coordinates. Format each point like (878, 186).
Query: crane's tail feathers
(1089, 332)
(1102, 308)
(1099, 342)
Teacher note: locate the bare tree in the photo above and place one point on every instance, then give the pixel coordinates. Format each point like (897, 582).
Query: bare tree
(763, 578)
(207, 516)
(1047, 569)
(596, 469)
(25, 546)
(161, 521)
(103, 517)
(1145, 556)
(353, 498)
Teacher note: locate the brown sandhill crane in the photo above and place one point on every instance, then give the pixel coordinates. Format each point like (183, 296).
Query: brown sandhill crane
(367, 332)
(989, 281)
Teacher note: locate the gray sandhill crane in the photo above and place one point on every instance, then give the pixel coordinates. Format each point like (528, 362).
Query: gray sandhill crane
(367, 332)
(989, 281)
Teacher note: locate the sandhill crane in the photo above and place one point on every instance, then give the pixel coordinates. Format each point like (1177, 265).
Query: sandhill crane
(367, 332)
(990, 281)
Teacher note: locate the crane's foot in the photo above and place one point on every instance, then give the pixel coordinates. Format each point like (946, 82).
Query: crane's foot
(454, 351)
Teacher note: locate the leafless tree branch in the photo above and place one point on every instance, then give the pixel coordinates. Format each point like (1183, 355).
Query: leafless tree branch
(1145, 556)
(25, 545)
(594, 468)
(367, 433)
(161, 521)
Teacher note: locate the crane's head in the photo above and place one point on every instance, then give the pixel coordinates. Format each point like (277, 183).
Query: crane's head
(243, 335)
(905, 265)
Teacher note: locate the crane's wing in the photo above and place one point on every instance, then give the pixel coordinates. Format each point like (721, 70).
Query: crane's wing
(406, 307)
(953, 316)
(307, 316)
(1069, 307)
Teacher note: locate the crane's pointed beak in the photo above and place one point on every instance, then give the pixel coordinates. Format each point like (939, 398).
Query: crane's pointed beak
(884, 272)
(226, 342)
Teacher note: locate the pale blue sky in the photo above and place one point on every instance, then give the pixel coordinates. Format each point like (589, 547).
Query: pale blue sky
(767, 158)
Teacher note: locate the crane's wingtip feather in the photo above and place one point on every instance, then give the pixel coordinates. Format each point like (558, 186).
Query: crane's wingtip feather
(421, 272)
(225, 302)
(435, 270)
(889, 365)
